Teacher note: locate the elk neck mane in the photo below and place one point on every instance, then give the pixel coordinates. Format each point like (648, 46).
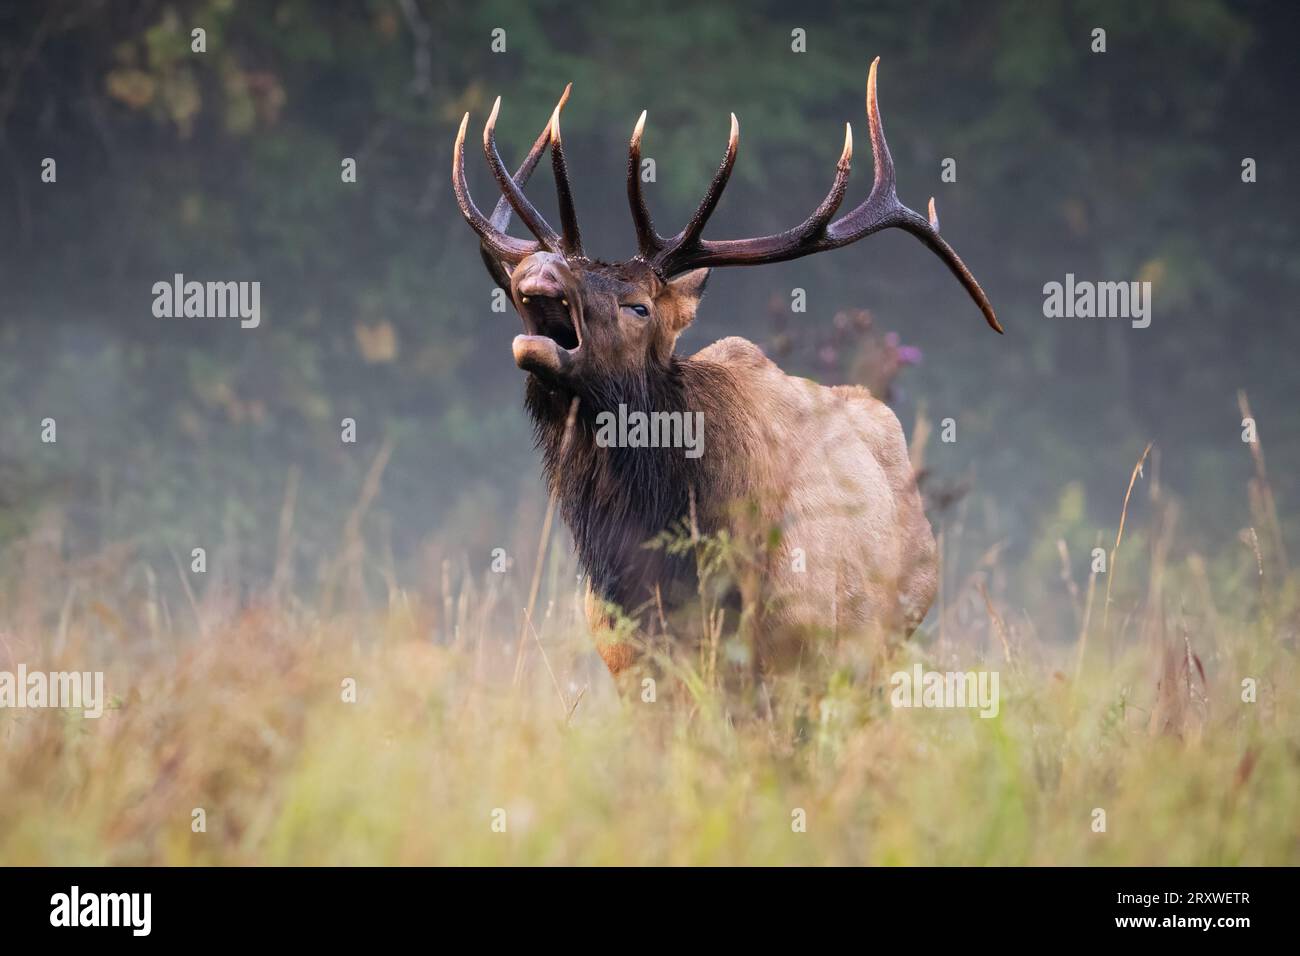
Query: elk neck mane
(615, 499)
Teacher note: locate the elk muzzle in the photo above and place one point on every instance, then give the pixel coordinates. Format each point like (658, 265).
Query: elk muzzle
(547, 298)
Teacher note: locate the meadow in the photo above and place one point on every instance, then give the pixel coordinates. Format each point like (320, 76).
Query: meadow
(1154, 719)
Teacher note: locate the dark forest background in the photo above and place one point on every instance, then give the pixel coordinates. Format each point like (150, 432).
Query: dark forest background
(1114, 166)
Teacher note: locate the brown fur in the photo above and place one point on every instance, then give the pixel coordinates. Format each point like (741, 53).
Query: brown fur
(826, 467)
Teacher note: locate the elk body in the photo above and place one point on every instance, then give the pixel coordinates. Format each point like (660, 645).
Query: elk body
(819, 478)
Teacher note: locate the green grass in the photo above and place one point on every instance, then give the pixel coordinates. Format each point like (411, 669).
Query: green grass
(239, 710)
(249, 724)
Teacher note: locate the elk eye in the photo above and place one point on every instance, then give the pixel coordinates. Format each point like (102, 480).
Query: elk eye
(638, 308)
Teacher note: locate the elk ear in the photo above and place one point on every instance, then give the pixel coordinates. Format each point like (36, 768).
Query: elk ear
(497, 269)
(685, 291)
(690, 284)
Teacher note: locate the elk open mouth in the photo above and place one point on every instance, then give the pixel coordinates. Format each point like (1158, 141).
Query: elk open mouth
(552, 333)
(553, 317)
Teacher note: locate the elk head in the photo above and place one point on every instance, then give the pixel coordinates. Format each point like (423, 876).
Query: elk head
(586, 320)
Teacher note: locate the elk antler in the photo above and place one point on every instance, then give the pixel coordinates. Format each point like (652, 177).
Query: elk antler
(500, 219)
(817, 233)
(572, 239)
(492, 232)
(501, 214)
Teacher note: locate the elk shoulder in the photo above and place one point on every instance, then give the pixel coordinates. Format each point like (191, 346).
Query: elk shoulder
(828, 467)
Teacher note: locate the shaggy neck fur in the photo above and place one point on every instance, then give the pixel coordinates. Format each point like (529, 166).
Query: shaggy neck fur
(616, 499)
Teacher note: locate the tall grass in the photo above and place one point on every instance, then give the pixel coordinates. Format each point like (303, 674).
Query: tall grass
(479, 693)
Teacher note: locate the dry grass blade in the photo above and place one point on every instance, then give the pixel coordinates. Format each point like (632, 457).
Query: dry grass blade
(281, 578)
(998, 626)
(1119, 536)
(542, 541)
(353, 544)
(576, 701)
(564, 701)
(1087, 617)
(189, 592)
(1265, 490)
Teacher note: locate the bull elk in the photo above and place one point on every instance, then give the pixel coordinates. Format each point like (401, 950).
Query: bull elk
(827, 468)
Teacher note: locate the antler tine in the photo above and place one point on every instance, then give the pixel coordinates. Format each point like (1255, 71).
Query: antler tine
(531, 218)
(648, 242)
(928, 233)
(812, 227)
(568, 215)
(881, 209)
(822, 214)
(490, 234)
(884, 163)
(501, 214)
(690, 235)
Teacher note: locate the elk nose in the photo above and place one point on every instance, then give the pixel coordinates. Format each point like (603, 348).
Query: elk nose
(545, 280)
